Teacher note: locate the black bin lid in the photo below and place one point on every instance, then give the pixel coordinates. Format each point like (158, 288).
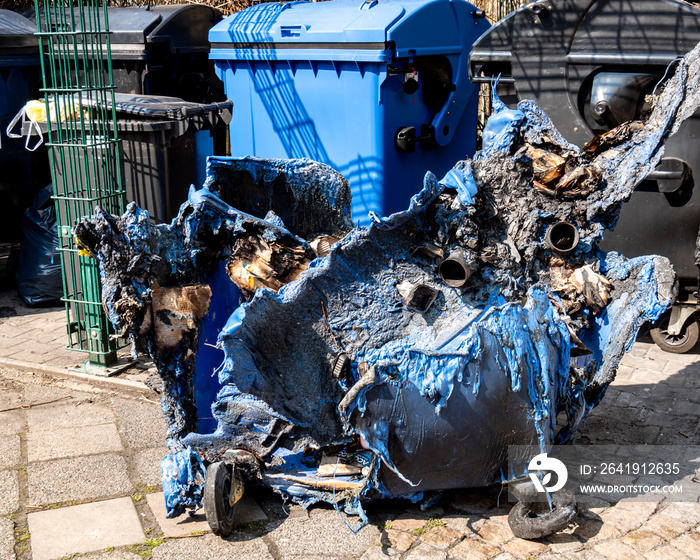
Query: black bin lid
(131, 26)
(184, 28)
(128, 27)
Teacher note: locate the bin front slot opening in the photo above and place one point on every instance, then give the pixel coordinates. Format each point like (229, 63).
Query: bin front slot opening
(291, 31)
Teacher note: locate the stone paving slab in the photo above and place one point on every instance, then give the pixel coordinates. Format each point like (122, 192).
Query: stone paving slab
(689, 544)
(246, 511)
(424, 551)
(84, 412)
(211, 547)
(473, 549)
(10, 451)
(84, 528)
(181, 526)
(9, 491)
(7, 539)
(73, 442)
(81, 478)
(666, 552)
(9, 397)
(147, 464)
(308, 533)
(141, 423)
(496, 531)
(13, 422)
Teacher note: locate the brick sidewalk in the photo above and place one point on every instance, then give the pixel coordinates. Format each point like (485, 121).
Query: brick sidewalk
(35, 339)
(80, 475)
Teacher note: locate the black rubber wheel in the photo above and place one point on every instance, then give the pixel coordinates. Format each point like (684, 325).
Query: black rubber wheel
(527, 524)
(681, 343)
(217, 491)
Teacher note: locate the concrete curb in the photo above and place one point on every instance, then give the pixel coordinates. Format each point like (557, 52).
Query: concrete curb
(64, 372)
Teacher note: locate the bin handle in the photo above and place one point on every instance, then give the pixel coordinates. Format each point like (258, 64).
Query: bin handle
(33, 125)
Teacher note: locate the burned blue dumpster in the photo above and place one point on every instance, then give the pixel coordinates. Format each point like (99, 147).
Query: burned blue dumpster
(400, 358)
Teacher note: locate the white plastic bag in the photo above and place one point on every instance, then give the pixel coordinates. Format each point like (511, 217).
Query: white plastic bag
(34, 112)
(29, 114)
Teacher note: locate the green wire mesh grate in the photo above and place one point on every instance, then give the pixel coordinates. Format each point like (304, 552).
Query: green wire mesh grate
(84, 152)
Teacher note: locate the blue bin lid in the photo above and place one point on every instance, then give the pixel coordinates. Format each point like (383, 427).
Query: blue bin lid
(413, 27)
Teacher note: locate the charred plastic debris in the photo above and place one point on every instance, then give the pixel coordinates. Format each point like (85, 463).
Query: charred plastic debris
(448, 331)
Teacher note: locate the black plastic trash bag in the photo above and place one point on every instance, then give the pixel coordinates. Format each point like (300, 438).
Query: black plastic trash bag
(39, 280)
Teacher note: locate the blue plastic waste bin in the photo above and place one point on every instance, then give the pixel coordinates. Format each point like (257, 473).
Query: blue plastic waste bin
(379, 90)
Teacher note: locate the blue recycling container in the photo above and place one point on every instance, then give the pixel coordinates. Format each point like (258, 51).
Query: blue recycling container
(379, 90)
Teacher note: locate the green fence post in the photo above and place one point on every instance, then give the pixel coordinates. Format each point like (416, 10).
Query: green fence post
(84, 151)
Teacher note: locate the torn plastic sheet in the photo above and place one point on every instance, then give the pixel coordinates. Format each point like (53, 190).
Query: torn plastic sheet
(485, 365)
(183, 480)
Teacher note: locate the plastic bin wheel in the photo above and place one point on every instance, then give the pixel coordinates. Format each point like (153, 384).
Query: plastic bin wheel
(536, 520)
(680, 343)
(223, 487)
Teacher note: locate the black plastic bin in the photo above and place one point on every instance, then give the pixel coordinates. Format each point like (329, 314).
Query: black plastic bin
(164, 50)
(161, 50)
(22, 173)
(162, 151)
(160, 162)
(592, 65)
(164, 148)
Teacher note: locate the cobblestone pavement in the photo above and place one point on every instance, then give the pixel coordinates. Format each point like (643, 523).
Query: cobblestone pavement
(79, 478)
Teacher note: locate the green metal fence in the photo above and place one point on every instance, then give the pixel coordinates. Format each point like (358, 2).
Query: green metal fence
(84, 151)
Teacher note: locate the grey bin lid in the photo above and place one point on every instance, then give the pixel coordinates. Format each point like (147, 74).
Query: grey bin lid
(131, 26)
(162, 107)
(184, 28)
(17, 33)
